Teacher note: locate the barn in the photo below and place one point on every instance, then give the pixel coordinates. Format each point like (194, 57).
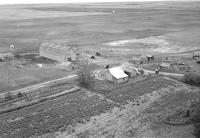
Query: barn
(57, 52)
(117, 75)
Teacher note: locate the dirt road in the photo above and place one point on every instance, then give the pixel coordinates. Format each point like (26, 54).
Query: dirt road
(40, 85)
(164, 73)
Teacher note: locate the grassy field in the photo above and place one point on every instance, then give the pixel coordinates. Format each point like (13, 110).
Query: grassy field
(144, 27)
(92, 25)
(133, 29)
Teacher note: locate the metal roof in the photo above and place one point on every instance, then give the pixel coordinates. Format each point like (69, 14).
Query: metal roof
(117, 72)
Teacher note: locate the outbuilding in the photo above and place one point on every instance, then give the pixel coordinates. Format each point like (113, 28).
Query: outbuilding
(2, 60)
(165, 66)
(117, 75)
(57, 52)
(67, 66)
(150, 57)
(129, 69)
(4, 56)
(130, 72)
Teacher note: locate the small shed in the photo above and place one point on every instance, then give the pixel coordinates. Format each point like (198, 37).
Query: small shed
(146, 58)
(196, 55)
(67, 66)
(129, 69)
(150, 57)
(4, 56)
(2, 60)
(165, 65)
(130, 72)
(92, 57)
(117, 75)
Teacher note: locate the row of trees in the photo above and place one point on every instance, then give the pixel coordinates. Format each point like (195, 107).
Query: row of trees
(85, 76)
(192, 78)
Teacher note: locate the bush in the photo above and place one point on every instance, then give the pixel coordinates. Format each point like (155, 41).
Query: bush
(196, 120)
(19, 95)
(8, 96)
(192, 78)
(85, 76)
(98, 54)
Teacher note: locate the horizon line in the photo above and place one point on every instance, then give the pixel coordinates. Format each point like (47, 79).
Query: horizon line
(93, 2)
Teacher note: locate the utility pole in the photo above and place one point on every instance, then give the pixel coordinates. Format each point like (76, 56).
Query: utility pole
(10, 64)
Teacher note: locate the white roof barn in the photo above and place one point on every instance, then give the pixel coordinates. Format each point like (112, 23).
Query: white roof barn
(116, 74)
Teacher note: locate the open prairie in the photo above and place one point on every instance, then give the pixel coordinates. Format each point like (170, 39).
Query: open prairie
(174, 24)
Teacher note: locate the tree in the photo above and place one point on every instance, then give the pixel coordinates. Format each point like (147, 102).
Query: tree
(19, 95)
(192, 78)
(8, 96)
(85, 75)
(196, 120)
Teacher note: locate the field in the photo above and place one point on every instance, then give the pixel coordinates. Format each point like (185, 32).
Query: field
(75, 108)
(94, 25)
(145, 116)
(120, 32)
(132, 30)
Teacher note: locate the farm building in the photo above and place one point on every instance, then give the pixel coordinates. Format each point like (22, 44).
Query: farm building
(150, 57)
(6, 56)
(146, 58)
(129, 69)
(67, 66)
(130, 72)
(2, 60)
(196, 55)
(57, 52)
(165, 66)
(116, 74)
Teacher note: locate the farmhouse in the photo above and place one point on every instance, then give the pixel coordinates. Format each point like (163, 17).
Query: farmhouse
(117, 75)
(57, 52)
